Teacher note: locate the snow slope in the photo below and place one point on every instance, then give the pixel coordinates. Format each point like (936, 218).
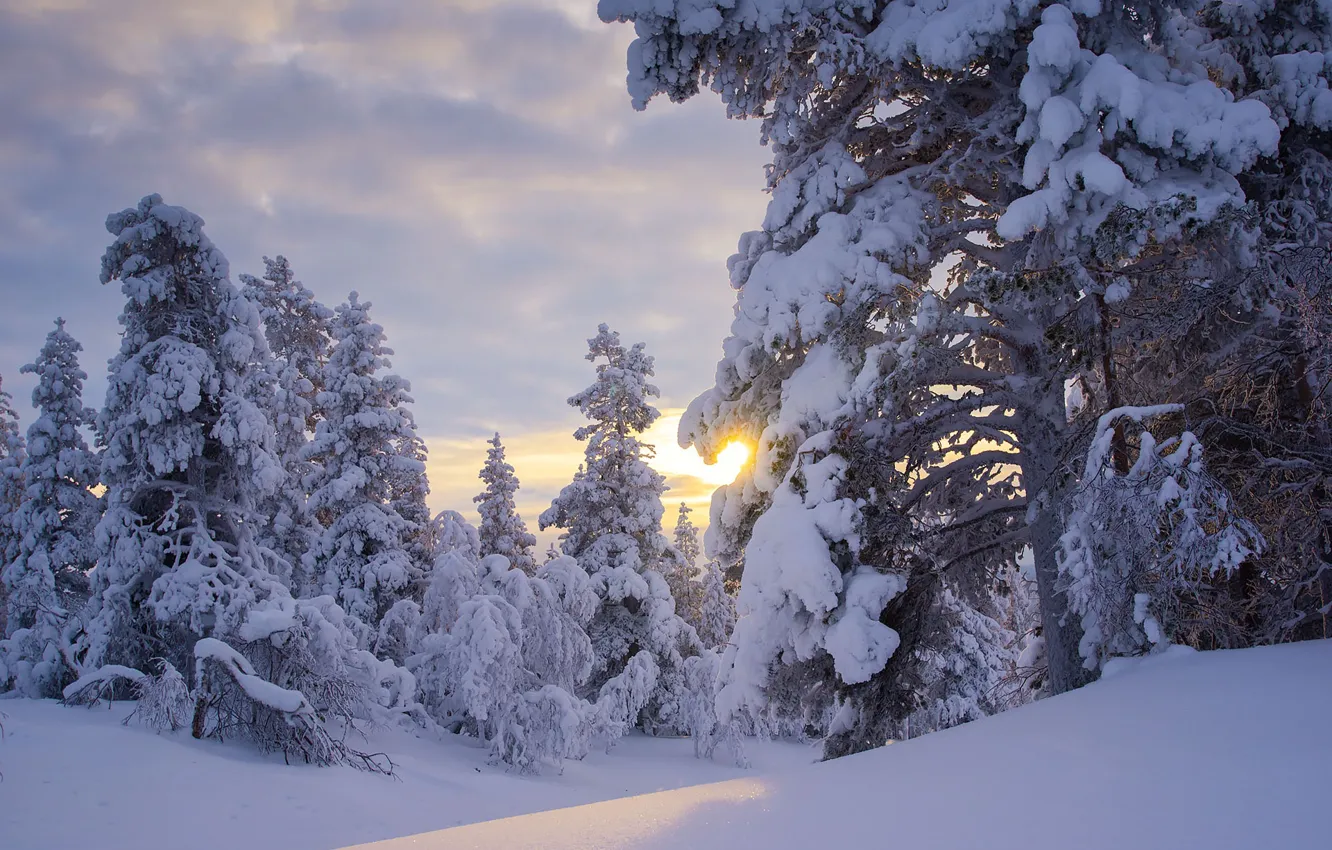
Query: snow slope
(1200, 750)
(74, 777)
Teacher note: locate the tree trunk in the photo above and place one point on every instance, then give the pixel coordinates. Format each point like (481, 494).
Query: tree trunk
(200, 708)
(1061, 631)
(1058, 628)
(1119, 442)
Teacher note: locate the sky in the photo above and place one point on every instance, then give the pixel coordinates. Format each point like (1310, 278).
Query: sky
(473, 168)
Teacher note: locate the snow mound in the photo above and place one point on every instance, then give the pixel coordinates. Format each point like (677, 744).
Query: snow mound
(1211, 750)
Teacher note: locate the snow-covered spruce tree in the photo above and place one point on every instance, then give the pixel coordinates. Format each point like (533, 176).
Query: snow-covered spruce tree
(502, 530)
(683, 576)
(408, 491)
(1139, 543)
(716, 612)
(611, 517)
(12, 452)
(362, 558)
(186, 457)
(1058, 151)
(296, 327)
(48, 580)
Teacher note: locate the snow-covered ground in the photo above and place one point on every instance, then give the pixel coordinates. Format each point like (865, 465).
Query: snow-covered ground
(75, 777)
(1212, 751)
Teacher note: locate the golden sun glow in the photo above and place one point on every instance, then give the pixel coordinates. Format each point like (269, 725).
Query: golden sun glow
(671, 460)
(730, 461)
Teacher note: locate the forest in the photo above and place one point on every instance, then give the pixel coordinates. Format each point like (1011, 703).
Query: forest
(1032, 349)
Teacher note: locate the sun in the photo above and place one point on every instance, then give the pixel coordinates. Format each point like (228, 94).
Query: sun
(730, 461)
(671, 460)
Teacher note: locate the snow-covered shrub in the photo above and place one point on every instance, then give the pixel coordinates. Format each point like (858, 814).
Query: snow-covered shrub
(573, 586)
(110, 681)
(163, 699)
(393, 637)
(622, 698)
(482, 660)
(313, 646)
(1137, 543)
(295, 667)
(450, 532)
(555, 646)
(499, 653)
(234, 701)
(700, 710)
(546, 725)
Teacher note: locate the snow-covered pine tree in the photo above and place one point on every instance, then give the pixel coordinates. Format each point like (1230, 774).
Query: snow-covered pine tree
(716, 608)
(502, 530)
(611, 520)
(362, 557)
(1053, 153)
(186, 454)
(408, 490)
(296, 327)
(48, 580)
(12, 452)
(682, 576)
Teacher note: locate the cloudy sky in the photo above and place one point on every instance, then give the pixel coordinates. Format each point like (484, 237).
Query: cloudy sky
(471, 167)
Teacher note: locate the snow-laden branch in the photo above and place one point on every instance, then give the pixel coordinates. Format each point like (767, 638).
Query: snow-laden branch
(256, 688)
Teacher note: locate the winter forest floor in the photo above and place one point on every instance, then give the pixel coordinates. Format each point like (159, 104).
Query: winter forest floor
(1213, 751)
(1210, 750)
(75, 777)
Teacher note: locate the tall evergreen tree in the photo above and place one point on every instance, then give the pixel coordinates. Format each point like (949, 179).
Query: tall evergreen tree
(296, 327)
(682, 575)
(362, 558)
(502, 529)
(11, 483)
(48, 580)
(186, 454)
(611, 520)
(716, 612)
(407, 497)
(911, 424)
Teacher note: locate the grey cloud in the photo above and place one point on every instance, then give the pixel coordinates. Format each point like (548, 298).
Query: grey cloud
(492, 234)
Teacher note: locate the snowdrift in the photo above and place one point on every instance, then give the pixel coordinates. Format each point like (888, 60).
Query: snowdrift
(1209, 750)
